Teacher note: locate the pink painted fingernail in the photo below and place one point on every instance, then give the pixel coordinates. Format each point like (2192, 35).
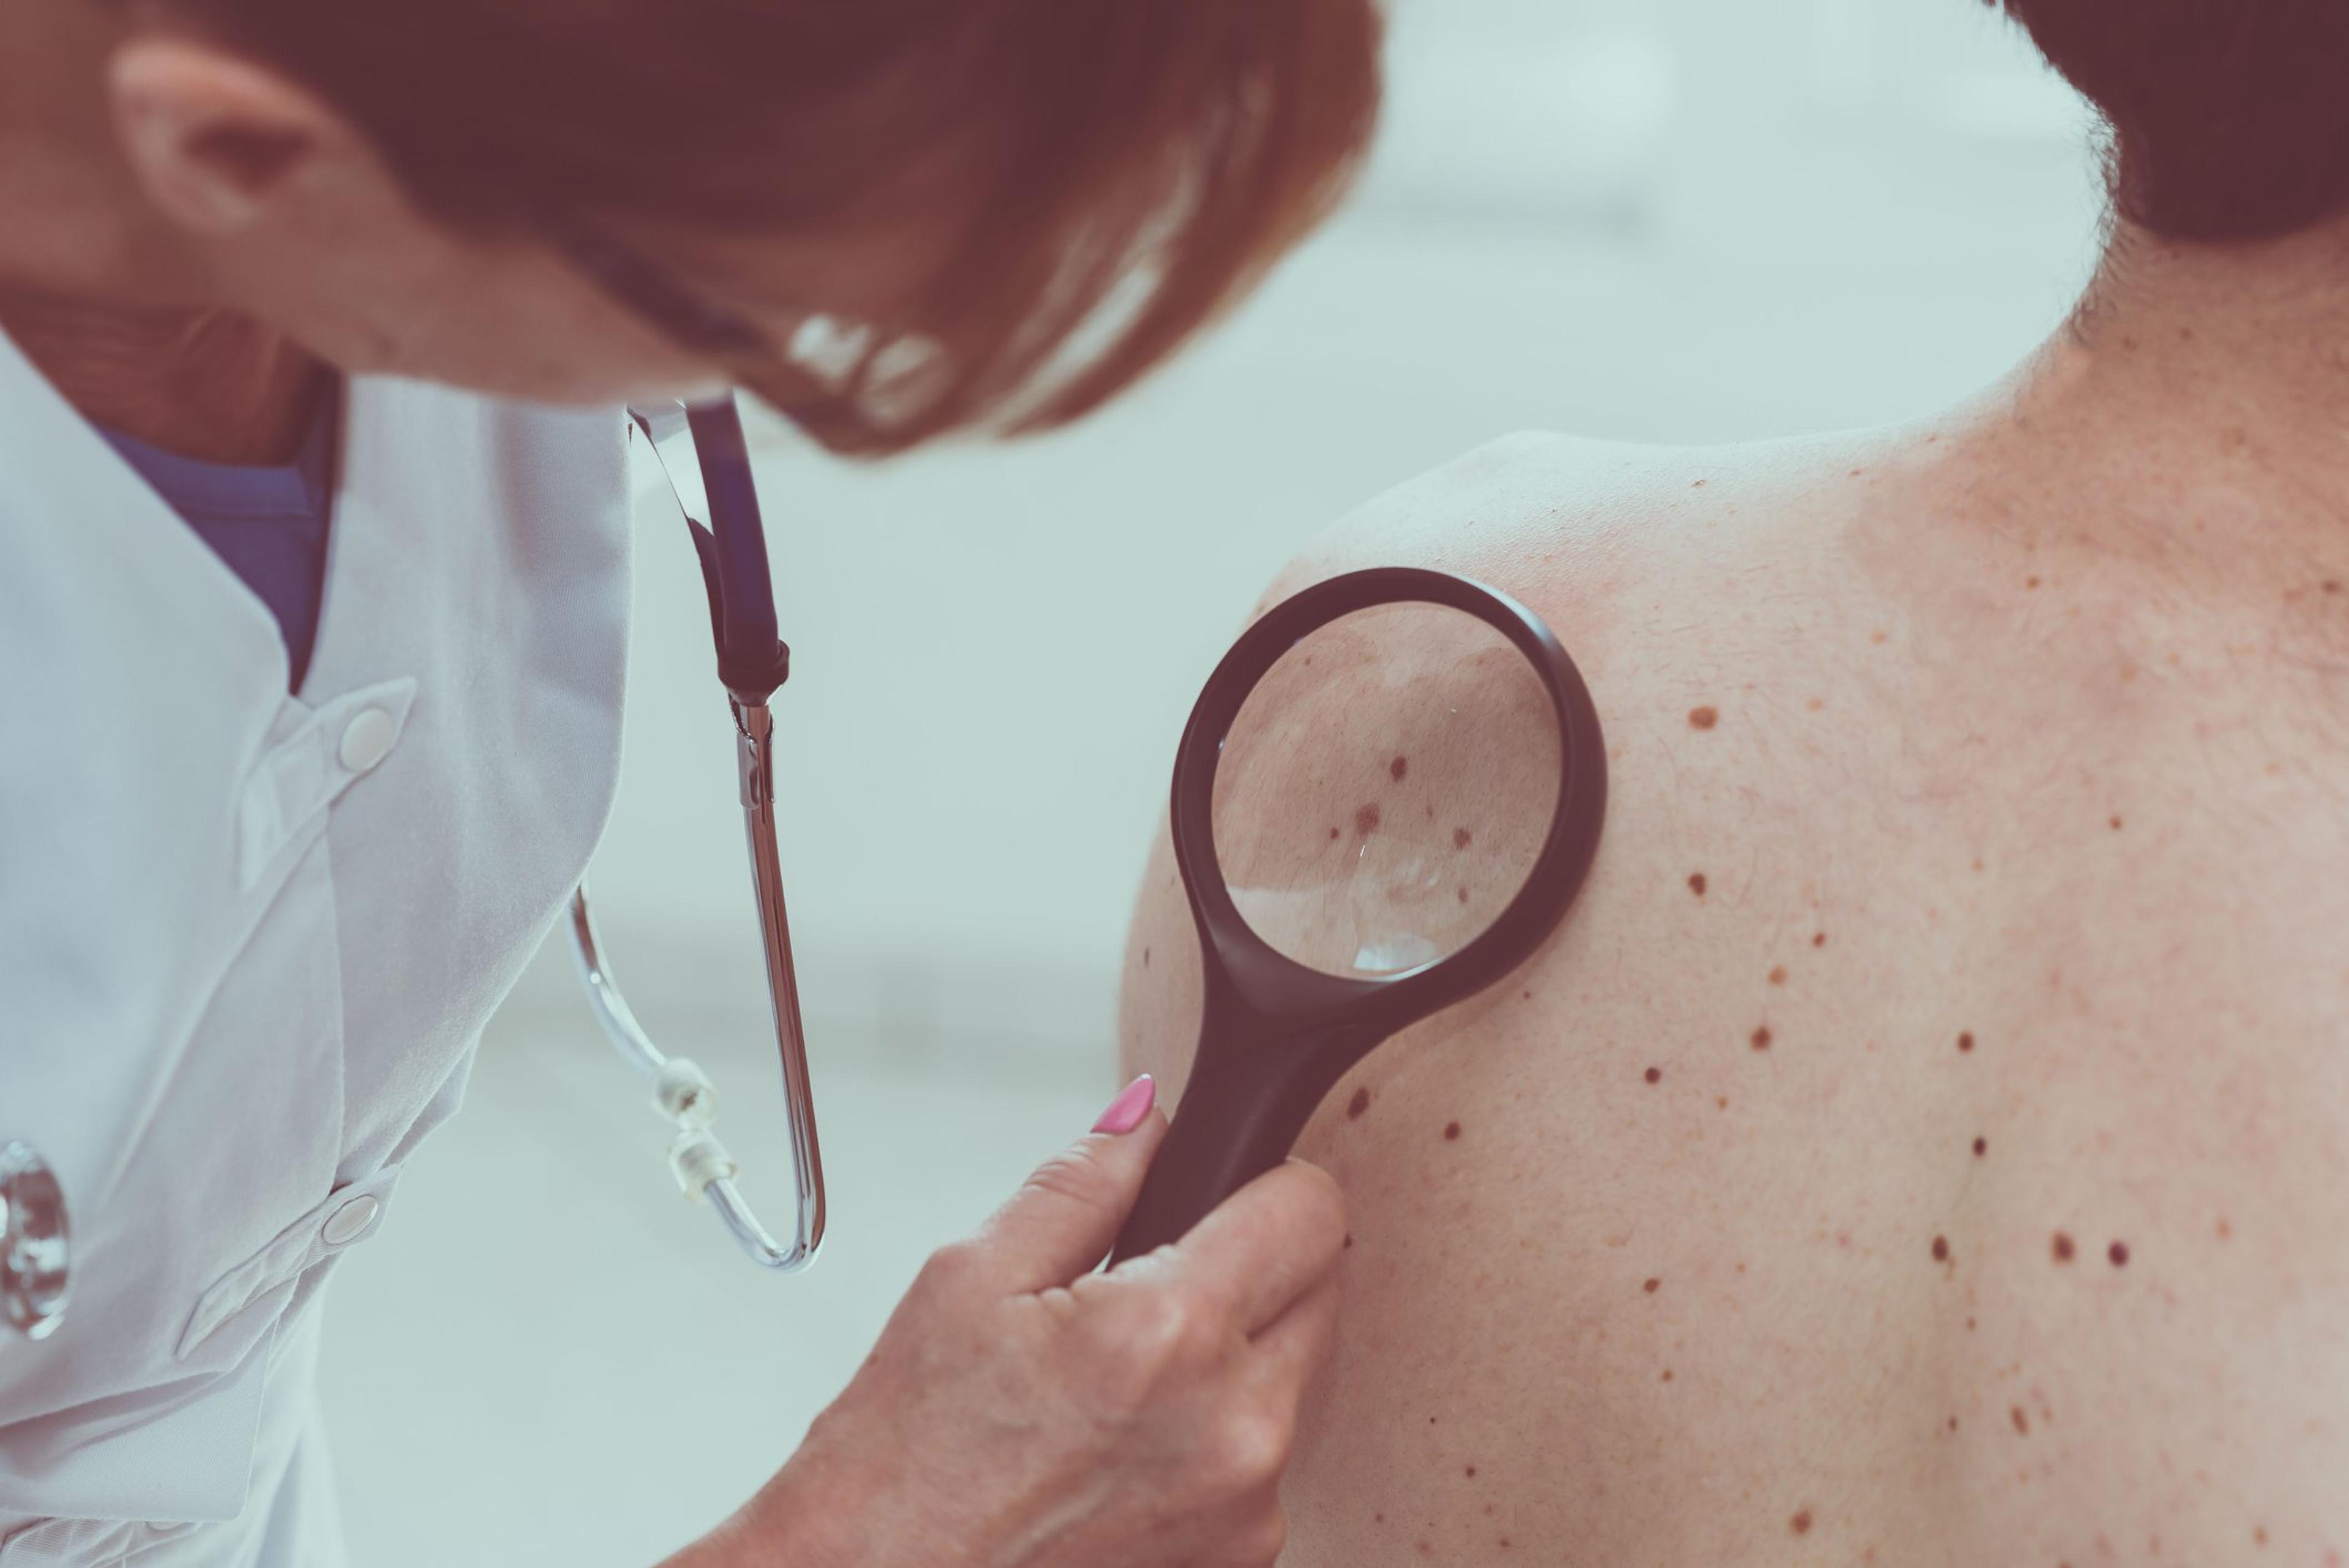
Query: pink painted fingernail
(1127, 1110)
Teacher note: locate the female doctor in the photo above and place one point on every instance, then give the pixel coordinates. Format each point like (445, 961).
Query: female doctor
(313, 583)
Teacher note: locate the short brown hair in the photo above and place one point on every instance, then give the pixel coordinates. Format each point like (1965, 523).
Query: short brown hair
(1115, 171)
(2230, 118)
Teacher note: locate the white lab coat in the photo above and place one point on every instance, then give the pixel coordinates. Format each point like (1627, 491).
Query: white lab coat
(248, 941)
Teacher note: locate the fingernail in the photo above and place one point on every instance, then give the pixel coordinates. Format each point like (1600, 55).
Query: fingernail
(1127, 1110)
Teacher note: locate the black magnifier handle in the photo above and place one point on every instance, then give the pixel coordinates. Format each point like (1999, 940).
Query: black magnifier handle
(1268, 1090)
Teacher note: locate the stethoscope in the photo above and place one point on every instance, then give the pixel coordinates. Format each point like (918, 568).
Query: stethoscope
(1387, 798)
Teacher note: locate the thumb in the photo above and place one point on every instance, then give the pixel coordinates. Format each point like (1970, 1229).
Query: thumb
(1064, 1219)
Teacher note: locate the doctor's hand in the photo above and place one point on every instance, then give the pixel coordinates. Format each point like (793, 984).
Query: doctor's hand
(1022, 1411)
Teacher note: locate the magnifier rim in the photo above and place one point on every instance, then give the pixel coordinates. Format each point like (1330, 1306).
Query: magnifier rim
(1268, 981)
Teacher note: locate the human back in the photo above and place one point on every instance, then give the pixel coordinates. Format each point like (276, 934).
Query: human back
(1923, 1137)
(1925, 1140)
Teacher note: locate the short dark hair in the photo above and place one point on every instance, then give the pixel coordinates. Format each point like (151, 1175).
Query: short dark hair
(1152, 155)
(2230, 117)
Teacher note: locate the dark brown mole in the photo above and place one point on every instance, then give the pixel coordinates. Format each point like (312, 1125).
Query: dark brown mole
(1762, 1037)
(1966, 1041)
(1667, 1377)
(1335, 835)
(1463, 895)
(1696, 884)
(2117, 824)
(1452, 1132)
(1953, 1423)
(1778, 975)
(2062, 1248)
(1350, 1243)
(1461, 838)
(1703, 718)
(2118, 1253)
(1982, 1147)
(1399, 769)
(1653, 1286)
(1801, 1523)
(2031, 582)
(1366, 819)
(1820, 940)
(2021, 1423)
(1471, 1472)
(1941, 1249)
(1655, 1075)
(1358, 1104)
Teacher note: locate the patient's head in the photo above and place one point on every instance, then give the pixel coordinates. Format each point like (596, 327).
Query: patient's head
(2230, 117)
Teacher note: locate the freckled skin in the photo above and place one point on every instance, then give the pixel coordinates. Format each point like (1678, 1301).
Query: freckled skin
(2155, 1016)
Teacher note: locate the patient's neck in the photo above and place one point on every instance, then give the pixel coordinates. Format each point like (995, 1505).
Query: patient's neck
(2198, 405)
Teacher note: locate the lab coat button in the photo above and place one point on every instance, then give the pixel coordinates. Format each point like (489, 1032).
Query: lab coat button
(367, 740)
(350, 1221)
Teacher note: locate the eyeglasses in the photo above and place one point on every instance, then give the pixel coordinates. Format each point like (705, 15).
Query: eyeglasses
(632, 278)
(702, 453)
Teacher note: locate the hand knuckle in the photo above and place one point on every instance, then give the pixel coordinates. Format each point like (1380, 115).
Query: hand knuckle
(1253, 1448)
(948, 1270)
(1260, 1539)
(1073, 1174)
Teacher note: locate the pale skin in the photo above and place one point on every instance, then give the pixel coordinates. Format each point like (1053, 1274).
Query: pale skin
(188, 244)
(2010, 748)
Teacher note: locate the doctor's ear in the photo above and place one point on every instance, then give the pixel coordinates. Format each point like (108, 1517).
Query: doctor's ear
(216, 138)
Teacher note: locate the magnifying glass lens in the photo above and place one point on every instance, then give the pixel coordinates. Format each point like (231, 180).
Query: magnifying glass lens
(1386, 789)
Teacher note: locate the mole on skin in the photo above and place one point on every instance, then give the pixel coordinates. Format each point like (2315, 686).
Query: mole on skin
(1966, 1042)
(1762, 1038)
(1982, 1147)
(2118, 1253)
(1778, 975)
(1655, 1075)
(1452, 1132)
(1400, 769)
(1696, 884)
(1820, 940)
(1358, 1105)
(2062, 1247)
(1703, 718)
(1801, 1523)
(1367, 819)
(2021, 1423)
(1653, 1286)
(1941, 1249)
(1461, 838)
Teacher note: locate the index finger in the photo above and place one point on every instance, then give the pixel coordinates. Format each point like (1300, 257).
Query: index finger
(1268, 1245)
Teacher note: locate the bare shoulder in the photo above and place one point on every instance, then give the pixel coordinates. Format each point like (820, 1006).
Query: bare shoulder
(1954, 999)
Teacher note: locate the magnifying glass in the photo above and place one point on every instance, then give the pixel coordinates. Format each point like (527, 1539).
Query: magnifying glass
(1388, 797)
